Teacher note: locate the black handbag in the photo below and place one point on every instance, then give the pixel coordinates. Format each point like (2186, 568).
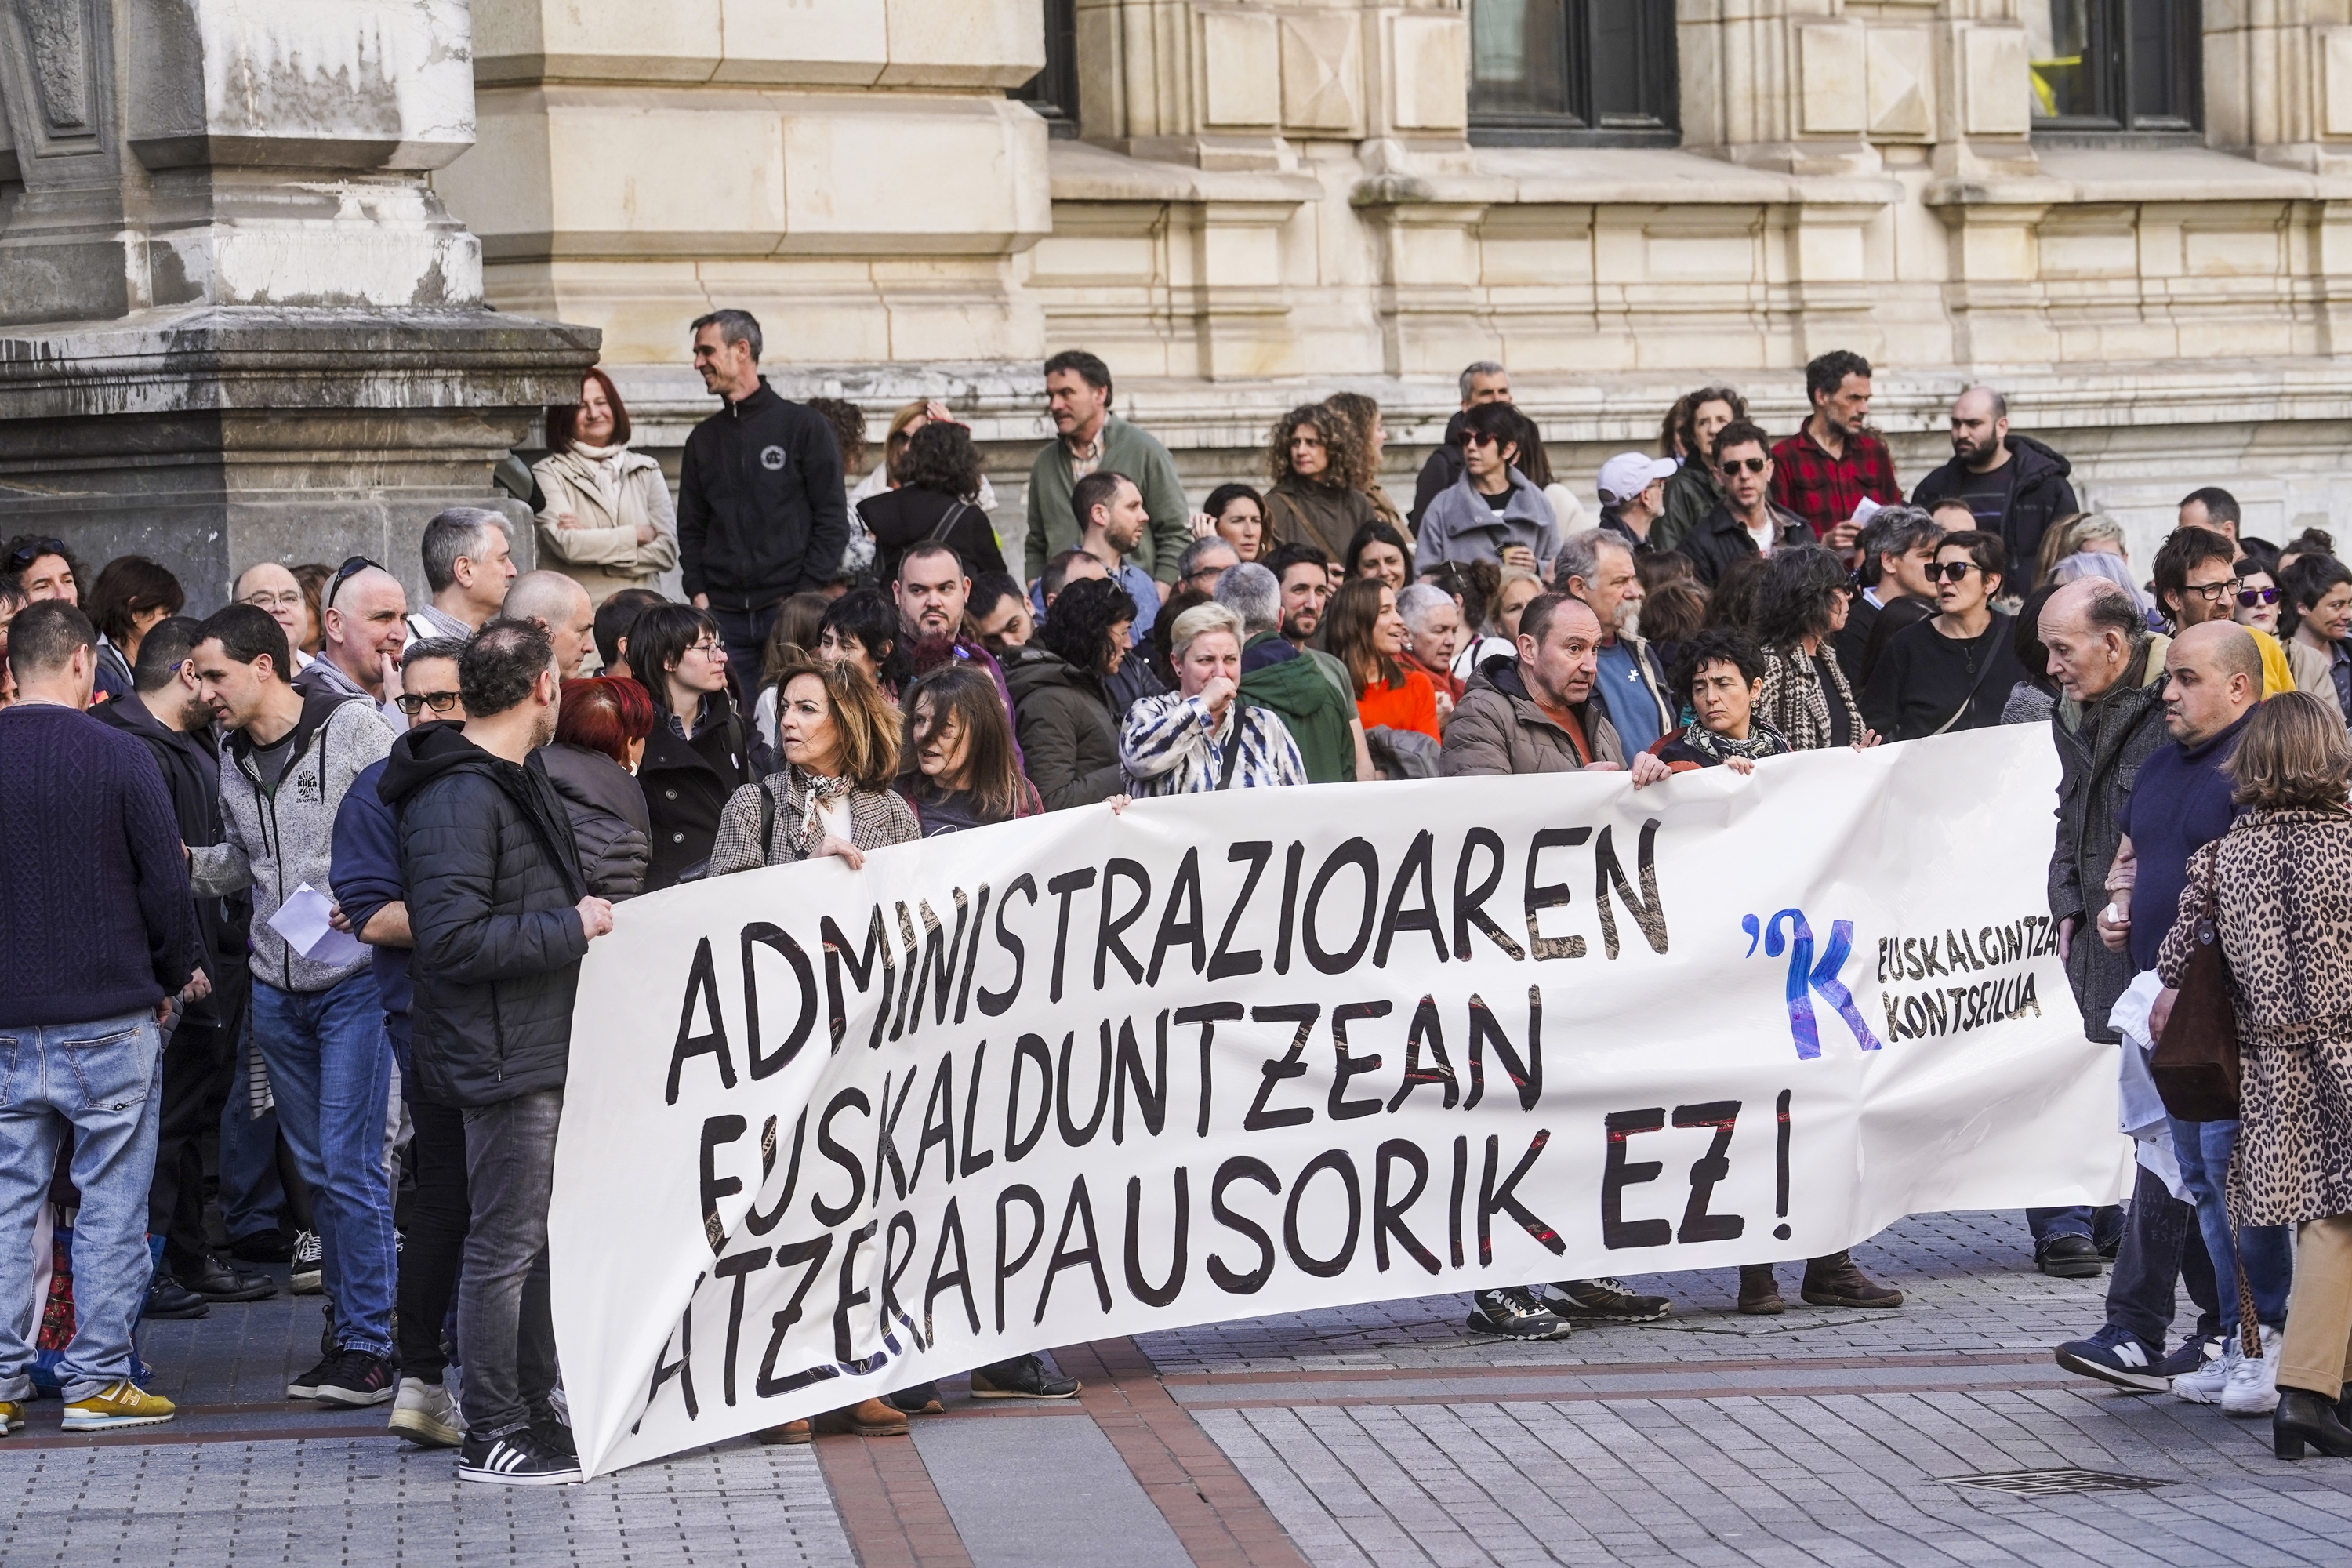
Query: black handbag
(2196, 1063)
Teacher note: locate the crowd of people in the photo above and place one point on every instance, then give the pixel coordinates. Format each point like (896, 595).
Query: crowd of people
(300, 889)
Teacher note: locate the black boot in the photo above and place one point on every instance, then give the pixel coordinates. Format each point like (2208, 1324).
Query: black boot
(2304, 1418)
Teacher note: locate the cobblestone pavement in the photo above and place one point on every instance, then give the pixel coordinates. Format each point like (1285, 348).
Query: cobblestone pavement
(1382, 1435)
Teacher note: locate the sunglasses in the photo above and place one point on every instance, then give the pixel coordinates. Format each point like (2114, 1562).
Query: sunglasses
(1478, 438)
(24, 556)
(344, 574)
(439, 701)
(2250, 597)
(1744, 465)
(1950, 571)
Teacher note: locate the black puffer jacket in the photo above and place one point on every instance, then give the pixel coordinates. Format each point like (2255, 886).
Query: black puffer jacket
(609, 824)
(1067, 735)
(487, 855)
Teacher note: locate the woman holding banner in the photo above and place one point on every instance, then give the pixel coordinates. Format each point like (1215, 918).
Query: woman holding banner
(839, 736)
(2273, 889)
(1202, 737)
(1800, 608)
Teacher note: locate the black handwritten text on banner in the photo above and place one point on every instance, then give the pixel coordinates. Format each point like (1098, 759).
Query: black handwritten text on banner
(830, 1133)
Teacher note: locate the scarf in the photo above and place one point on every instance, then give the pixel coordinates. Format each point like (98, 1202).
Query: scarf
(605, 463)
(1763, 740)
(822, 790)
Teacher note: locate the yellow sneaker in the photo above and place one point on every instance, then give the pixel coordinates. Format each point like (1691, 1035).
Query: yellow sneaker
(119, 1403)
(11, 1417)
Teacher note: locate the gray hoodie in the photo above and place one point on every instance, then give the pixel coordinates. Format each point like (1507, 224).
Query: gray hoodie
(274, 840)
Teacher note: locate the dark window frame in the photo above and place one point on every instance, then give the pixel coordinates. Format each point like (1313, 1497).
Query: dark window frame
(1053, 91)
(2123, 114)
(1655, 119)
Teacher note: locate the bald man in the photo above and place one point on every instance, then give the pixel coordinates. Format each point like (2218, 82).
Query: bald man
(563, 610)
(363, 622)
(2181, 801)
(2012, 485)
(271, 587)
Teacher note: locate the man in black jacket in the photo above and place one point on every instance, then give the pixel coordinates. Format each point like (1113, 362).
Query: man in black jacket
(501, 917)
(2014, 485)
(200, 1050)
(761, 514)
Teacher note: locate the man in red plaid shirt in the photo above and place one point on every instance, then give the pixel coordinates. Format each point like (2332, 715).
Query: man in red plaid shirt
(1823, 472)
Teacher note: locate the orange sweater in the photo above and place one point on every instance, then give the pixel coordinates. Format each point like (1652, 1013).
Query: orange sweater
(1409, 704)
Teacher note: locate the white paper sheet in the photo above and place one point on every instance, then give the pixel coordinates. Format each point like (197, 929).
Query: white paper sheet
(301, 920)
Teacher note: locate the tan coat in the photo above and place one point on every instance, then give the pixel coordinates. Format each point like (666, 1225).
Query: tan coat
(603, 554)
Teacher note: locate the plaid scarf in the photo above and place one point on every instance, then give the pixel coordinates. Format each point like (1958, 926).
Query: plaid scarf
(1763, 740)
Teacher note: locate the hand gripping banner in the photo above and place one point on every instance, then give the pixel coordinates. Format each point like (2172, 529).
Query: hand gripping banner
(832, 1133)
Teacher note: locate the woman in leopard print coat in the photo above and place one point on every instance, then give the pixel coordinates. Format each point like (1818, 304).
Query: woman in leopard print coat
(2277, 889)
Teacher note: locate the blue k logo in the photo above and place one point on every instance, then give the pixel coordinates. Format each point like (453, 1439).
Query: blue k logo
(1807, 977)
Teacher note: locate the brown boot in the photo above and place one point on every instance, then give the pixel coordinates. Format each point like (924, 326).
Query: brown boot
(1760, 1292)
(1837, 1282)
(790, 1432)
(868, 1418)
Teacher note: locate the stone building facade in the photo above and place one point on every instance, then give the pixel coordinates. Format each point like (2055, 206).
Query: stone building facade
(2132, 215)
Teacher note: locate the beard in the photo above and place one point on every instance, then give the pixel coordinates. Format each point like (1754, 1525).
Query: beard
(542, 730)
(1300, 626)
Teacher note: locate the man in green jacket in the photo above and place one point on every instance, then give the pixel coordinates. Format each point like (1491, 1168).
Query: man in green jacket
(1089, 436)
(1277, 676)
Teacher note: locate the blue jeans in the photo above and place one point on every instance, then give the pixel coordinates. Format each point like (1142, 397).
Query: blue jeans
(2203, 1149)
(330, 1070)
(105, 1080)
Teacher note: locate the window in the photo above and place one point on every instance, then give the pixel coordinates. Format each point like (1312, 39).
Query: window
(1572, 70)
(2126, 66)
(1053, 91)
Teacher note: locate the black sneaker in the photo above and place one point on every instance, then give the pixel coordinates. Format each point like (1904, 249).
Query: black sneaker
(1513, 1310)
(517, 1459)
(1606, 1301)
(360, 1378)
(923, 1399)
(167, 1297)
(307, 1385)
(1023, 1377)
(549, 1431)
(2069, 1257)
(309, 1276)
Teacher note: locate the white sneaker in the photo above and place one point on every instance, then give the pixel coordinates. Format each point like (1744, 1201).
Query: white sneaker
(2252, 1388)
(2204, 1385)
(424, 1412)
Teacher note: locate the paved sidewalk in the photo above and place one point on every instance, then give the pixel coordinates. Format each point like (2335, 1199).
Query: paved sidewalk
(1383, 1435)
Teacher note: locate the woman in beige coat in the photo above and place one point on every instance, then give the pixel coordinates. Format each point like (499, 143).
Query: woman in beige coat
(608, 522)
(2273, 890)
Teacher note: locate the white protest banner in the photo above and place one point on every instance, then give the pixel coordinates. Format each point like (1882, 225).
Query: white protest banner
(830, 1133)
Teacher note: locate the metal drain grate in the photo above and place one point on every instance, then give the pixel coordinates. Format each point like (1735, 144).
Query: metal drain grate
(2053, 1483)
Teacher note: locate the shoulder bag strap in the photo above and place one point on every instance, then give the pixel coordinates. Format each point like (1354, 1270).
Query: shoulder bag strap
(1241, 735)
(948, 520)
(1992, 656)
(767, 819)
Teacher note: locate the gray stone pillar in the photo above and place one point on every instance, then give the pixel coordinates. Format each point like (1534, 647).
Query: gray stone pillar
(236, 321)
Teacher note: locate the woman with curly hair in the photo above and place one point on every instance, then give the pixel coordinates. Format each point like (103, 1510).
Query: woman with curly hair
(1316, 459)
(1363, 414)
(1062, 709)
(1688, 437)
(937, 502)
(1800, 605)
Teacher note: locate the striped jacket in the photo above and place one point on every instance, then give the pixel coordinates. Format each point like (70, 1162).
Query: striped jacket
(1170, 745)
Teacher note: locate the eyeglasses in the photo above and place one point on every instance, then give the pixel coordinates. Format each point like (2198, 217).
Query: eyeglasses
(344, 573)
(1950, 571)
(2211, 592)
(2250, 597)
(710, 650)
(439, 701)
(262, 599)
(1743, 465)
(24, 556)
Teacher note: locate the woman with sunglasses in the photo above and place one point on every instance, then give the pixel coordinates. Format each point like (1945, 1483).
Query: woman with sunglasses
(1494, 512)
(1954, 670)
(2287, 664)
(700, 754)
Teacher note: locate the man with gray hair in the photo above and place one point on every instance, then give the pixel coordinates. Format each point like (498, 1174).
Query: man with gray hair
(2013, 485)
(469, 563)
(1597, 566)
(561, 608)
(1204, 561)
(761, 513)
(1482, 381)
(1277, 676)
(1895, 548)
